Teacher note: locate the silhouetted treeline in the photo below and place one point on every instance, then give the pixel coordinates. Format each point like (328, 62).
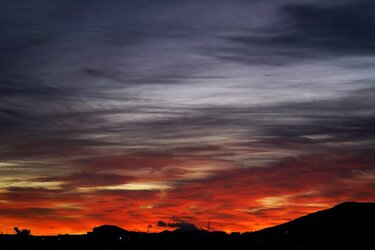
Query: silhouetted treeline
(348, 226)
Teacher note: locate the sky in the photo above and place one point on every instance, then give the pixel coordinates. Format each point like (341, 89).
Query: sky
(171, 113)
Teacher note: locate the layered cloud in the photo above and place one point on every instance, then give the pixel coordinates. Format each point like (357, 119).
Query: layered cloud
(133, 112)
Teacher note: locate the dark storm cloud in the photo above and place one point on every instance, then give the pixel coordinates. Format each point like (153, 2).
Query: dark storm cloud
(307, 30)
(346, 28)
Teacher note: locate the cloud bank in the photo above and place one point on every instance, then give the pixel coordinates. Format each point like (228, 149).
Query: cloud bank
(130, 112)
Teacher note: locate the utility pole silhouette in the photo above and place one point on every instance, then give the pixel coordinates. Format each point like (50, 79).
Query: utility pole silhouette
(148, 228)
(209, 224)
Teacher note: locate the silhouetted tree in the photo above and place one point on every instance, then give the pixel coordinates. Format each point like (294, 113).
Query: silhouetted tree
(23, 232)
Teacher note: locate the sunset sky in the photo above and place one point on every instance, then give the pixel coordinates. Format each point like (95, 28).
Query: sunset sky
(165, 112)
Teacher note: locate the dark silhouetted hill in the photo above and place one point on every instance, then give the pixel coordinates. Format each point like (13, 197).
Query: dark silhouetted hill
(349, 225)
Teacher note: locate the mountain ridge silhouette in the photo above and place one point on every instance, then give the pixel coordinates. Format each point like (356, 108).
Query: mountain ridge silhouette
(346, 226)
(339, 209)
(335, 212)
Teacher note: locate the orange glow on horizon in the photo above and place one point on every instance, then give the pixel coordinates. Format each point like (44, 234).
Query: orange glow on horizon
(235, 199)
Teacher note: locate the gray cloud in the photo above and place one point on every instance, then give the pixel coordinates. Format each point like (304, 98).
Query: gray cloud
(344, 28)
(305, 31)
(146, 88)
(89, 179)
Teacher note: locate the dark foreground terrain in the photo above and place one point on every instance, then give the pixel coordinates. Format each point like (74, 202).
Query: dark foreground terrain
(347, 226)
